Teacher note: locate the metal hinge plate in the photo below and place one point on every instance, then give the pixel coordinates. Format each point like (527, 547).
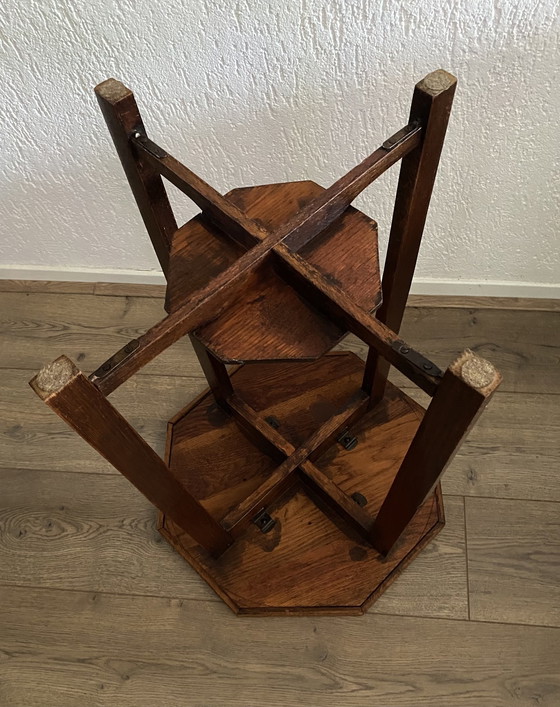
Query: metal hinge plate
(272, 421)
(359, 498)
(155, 150)
(400, 136)
(115, 359)
(417, 359)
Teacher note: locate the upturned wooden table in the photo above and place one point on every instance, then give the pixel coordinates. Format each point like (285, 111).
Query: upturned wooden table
(301, 481)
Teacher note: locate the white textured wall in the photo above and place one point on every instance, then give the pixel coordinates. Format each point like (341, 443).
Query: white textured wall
(254, 91)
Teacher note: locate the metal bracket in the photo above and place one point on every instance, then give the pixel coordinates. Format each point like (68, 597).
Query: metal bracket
(347, 440)
(141, 137)
(400, 136)
(115, 359)
(417, 360)
(263, 521)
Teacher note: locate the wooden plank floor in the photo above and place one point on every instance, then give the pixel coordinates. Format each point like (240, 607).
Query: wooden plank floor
(95, 609)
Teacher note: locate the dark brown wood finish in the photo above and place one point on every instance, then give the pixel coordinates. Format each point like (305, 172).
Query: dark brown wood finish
(123, 119)
(250, 419)
(270, 311)
(343, 506)
(322, 438)
(206, 303)
(314, 560)
(200, 250)
(215, 206)
(466, 388)
(269, 321)
(272, 273)
(431, 107)
(343, 192)
(211, 300)
(66, 390)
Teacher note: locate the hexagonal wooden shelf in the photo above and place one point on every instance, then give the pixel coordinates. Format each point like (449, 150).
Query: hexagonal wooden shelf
(286, 325)
(309, 562)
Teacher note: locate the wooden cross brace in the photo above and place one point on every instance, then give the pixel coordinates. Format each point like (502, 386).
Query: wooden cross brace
(145, 162)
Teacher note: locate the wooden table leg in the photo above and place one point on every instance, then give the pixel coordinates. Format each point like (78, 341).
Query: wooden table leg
(431, 105)
(466, 388)
(66, 390)
(123, 120)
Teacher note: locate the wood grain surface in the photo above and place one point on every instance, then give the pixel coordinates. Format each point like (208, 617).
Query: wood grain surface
(106, 650)
(95, 610)
(514, 554)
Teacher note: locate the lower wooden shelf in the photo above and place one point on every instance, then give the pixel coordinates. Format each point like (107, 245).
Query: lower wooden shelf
(309, 563)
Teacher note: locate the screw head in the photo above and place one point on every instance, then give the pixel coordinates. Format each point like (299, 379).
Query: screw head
(404, 349)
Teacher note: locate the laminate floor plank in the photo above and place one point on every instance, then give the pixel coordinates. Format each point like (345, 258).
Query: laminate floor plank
(514, 561)
(98, 533)
(72, 649)
(534, 304)
(87, 532)
(33, 437)
(435, 584)
(523, 345)
(144, 290)
(515, 441)
(37, 327)
(130, 289)
(95, 609)
(50, 286)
